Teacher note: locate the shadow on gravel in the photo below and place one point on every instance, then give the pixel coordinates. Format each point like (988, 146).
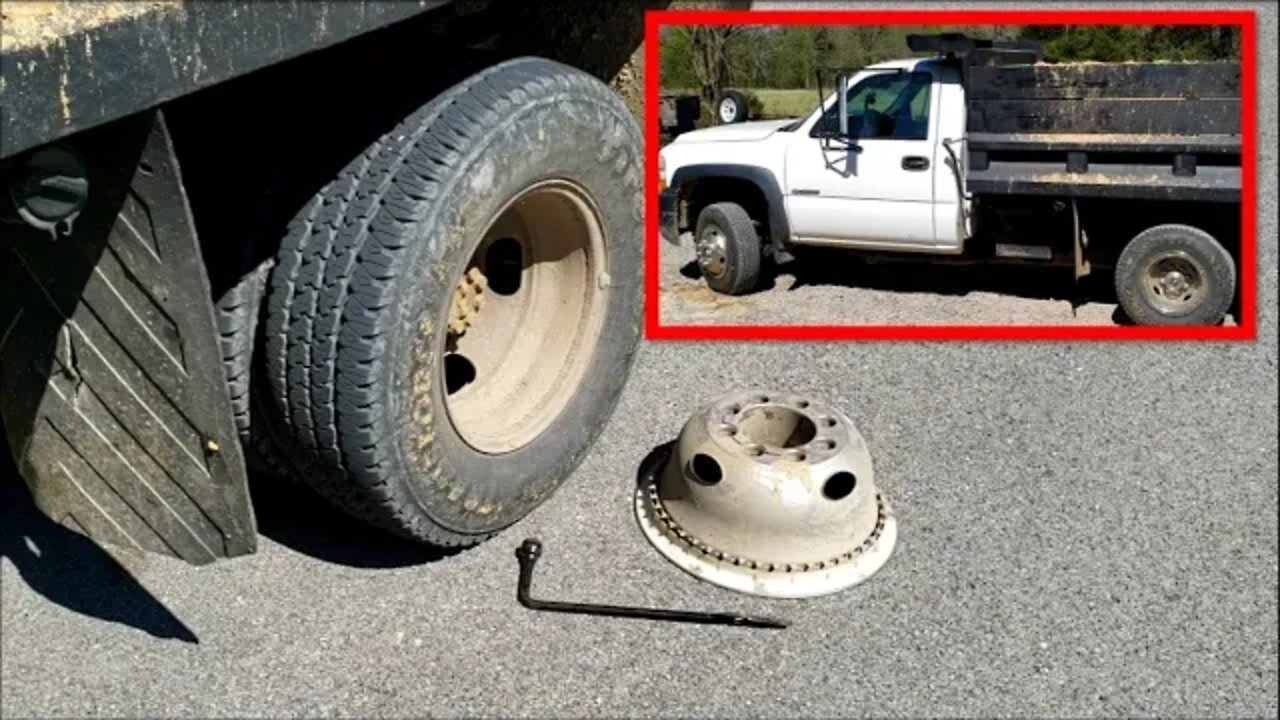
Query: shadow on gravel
(297, 518)
(834, 269)
(653, 463)
(1035, 283)
(67, 568)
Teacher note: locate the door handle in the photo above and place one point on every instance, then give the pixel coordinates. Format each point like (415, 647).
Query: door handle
(915, 162)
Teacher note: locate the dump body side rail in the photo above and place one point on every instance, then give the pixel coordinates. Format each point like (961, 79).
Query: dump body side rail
(1111, 165)
(97, 62)
(1159, 131)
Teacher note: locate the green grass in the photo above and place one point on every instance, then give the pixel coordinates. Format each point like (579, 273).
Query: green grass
(786, 103)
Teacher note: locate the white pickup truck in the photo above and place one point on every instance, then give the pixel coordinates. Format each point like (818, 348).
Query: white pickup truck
(988, 153)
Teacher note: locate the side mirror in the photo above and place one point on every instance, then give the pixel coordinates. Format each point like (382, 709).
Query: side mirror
(842, 101)
(840, 138)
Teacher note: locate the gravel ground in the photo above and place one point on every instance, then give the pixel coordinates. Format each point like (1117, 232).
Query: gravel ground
(834, 287)
(1086, 529)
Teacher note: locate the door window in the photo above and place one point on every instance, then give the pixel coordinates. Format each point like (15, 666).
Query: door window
(893, 106)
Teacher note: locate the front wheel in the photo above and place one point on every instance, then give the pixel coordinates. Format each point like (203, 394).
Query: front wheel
(1175, 275)
(728, 249)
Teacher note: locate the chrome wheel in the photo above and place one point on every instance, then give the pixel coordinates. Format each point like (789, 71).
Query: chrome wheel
(713, 257)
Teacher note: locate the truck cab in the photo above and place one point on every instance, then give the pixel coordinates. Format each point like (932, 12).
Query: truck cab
(891, 186)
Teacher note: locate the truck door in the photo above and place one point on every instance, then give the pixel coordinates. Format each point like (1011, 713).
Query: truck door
(880, 190)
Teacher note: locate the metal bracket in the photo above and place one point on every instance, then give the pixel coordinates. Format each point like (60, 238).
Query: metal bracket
(51, 190)
(1080, 243)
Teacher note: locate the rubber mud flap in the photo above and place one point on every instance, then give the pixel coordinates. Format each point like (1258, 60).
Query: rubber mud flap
(111, 384)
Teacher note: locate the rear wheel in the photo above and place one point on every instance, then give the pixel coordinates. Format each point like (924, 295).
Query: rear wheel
(238, 310)
(452, 321)
(1175, 275)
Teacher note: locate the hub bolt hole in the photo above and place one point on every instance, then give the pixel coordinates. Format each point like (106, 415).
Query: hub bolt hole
(458, 373)
(705, 469)
(839, 486)
(504, 266)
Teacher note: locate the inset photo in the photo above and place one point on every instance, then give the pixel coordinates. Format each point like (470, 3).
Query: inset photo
(951, 175)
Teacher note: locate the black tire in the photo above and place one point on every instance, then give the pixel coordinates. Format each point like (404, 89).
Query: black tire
(237, 313)
(237, 316)
(1190, 252)
(359, 304)
(732, 107)
(740, 272)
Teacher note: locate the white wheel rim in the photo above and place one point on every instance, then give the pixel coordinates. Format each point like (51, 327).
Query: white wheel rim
(728, 110)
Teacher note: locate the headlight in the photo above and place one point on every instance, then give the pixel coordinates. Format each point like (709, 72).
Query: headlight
(662, 172)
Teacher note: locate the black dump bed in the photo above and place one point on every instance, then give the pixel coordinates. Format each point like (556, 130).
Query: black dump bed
(69, 66)
(1141, 130)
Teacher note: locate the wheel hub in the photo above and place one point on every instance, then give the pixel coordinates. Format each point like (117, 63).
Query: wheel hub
(1175, 282)
(770, 494)
(711, 249)
(534, 276)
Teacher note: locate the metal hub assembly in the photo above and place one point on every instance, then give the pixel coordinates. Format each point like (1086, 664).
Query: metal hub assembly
(769, 494)
(713, 255)
(1176, 282)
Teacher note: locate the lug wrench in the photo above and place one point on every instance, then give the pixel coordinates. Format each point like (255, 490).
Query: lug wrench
(529, 552)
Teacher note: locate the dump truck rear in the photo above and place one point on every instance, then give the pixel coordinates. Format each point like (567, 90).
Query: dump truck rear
(390, 251)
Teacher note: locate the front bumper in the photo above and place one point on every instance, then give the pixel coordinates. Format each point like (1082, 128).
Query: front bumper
(669, 215)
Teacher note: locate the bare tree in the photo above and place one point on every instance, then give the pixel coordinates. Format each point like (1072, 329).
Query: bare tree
(709, 48)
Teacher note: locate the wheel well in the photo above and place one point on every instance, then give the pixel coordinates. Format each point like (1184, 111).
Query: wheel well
(1111, 224)
(709, 190)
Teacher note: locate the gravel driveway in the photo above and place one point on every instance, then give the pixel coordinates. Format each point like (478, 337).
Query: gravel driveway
(836, 287)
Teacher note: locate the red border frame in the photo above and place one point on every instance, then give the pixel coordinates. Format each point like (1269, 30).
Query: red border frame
(1245, 330)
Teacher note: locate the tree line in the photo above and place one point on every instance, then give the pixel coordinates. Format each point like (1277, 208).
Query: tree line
(709, 58)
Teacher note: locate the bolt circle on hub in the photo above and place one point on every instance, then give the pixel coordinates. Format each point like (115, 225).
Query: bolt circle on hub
(1175, 282)
(769, 494)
